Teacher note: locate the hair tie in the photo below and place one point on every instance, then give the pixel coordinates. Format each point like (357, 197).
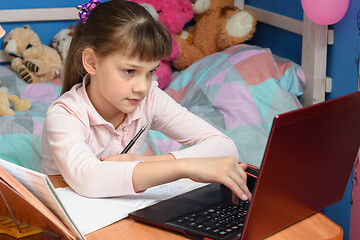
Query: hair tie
(85, 9)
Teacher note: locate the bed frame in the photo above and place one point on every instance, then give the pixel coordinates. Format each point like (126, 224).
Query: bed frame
(315, 39)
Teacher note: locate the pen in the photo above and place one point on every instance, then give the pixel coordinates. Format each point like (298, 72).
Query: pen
(131, 143)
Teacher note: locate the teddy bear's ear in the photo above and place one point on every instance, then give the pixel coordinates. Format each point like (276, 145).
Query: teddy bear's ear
(26, 27)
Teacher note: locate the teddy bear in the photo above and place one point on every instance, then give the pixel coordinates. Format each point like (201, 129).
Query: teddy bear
(218, 25)
(174, 14)
(61, 41)
(18, 104)
(32, 60)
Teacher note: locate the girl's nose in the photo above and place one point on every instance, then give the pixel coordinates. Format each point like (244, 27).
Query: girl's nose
(141, 85)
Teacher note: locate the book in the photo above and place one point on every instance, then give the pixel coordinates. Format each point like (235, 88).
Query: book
(24, 188)
(64, 212)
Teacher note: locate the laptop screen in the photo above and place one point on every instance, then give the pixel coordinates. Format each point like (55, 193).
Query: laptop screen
(307, 164)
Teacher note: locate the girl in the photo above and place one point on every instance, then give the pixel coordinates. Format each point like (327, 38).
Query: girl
(108, 95)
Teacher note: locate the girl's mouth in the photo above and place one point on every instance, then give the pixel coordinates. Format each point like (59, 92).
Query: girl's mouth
(133, 100)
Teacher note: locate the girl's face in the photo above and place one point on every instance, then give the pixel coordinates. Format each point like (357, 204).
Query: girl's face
(118, 84)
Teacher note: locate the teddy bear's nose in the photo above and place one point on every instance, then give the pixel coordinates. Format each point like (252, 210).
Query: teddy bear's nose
(10, 46)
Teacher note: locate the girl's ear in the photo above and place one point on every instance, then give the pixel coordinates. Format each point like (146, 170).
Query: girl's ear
(89, 61)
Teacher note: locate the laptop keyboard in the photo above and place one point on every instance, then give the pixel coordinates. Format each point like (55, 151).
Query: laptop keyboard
(219, 220)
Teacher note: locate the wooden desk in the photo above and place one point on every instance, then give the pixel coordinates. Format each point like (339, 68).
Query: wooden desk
(318, 226)
(315, 227)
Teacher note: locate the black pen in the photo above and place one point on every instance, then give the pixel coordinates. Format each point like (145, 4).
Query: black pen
(131, 143)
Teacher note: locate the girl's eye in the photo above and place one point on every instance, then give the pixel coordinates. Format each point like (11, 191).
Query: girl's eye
(129, 72)
(152, 71)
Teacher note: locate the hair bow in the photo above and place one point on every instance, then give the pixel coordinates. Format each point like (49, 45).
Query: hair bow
(85, 9)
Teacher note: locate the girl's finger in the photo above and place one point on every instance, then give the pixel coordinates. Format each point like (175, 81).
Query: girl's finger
(236, 189)
(241, 170)
(240, 178)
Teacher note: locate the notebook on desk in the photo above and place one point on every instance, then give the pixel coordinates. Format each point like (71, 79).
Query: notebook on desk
(306, 166)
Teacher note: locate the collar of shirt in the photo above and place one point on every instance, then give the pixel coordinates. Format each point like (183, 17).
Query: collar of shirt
(94, 117)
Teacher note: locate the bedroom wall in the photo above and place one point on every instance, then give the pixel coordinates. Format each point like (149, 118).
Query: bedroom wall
(343, 58)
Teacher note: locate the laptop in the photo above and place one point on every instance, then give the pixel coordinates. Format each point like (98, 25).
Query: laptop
(306, 166)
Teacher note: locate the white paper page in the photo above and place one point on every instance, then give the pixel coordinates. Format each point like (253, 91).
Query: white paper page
(37, 183)
(159, 193)
(91, 214)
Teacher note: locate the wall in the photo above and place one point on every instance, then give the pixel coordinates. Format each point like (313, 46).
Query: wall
(343, 58)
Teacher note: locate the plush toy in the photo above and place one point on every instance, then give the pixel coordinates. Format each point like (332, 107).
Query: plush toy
(61, 41)
(174, 14)
(18, 104)
(218, 25)
(33, 61)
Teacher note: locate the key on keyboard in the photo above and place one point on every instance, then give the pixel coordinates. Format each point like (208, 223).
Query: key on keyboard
(219, 220)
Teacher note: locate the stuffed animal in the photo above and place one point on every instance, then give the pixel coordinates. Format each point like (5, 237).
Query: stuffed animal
(218, 25)
(174, 14)
(61, 41)
(18, 104)
(33, 61)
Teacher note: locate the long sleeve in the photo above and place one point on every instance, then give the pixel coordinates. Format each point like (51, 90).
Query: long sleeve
(77, 162)
(179, 124)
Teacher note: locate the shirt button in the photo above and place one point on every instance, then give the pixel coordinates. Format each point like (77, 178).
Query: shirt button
(117, 137)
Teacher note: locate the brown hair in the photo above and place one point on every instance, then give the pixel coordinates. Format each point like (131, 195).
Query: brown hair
(116, 25)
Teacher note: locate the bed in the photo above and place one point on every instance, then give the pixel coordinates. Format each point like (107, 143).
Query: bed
(227, 89)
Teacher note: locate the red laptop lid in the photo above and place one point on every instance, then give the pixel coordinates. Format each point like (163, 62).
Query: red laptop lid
(306, 166)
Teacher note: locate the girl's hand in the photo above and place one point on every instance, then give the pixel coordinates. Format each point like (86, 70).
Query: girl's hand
(158, 170)
(223, 170)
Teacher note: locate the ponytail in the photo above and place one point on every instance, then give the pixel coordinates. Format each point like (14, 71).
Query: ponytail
(74, 71)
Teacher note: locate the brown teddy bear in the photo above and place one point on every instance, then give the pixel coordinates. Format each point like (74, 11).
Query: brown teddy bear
(33, 61)
(218, 25)
(18, 104)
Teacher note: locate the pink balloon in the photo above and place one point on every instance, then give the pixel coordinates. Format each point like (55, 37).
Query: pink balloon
(325, 12)
(2, 32)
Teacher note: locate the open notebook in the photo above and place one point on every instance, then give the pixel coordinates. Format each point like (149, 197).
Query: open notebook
(306, 166)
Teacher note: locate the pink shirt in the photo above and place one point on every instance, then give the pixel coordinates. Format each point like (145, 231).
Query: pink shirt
(75, 136)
